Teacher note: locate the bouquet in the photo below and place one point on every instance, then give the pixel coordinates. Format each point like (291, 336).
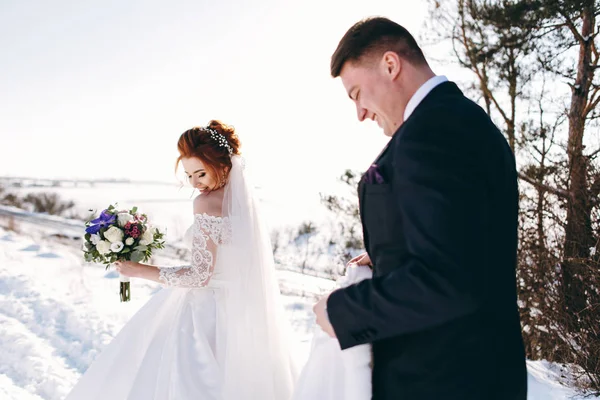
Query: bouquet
(121, 235)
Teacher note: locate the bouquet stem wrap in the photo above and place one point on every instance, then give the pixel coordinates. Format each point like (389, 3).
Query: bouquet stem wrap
(125, 288)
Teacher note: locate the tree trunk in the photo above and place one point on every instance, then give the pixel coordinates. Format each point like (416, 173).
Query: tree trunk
(578, 233)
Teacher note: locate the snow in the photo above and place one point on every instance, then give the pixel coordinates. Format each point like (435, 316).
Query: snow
(57, 313)
(543, 383)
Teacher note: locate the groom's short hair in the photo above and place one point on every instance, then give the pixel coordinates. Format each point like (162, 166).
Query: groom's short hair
(374, 36)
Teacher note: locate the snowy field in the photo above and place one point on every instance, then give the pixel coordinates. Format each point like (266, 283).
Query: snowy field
(57, 313)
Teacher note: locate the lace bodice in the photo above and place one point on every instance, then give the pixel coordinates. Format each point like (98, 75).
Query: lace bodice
(208, 232)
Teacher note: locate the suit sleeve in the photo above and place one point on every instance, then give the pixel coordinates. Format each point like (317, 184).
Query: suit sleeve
(440, 202)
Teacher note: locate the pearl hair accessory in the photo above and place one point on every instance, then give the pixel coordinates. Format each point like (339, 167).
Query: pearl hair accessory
(220, 139)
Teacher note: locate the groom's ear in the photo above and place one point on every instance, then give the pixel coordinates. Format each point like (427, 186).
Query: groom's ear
(392, 63)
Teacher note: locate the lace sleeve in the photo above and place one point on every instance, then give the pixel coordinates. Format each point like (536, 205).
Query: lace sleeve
(207, 235)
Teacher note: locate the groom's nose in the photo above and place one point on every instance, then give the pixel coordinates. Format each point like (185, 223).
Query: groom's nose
(361, 113)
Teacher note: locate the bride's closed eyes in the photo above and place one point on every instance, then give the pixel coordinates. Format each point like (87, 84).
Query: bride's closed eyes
(197, 175)
(201, 173)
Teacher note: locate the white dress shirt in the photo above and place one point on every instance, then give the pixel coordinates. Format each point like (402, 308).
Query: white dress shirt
(421, 93)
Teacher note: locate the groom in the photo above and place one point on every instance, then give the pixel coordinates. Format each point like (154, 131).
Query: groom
(439, 214)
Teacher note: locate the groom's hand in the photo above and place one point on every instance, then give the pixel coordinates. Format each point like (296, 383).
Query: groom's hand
(322, 317)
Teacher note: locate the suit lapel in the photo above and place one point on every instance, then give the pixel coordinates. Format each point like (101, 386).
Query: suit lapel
(361, 210)
(362, 197)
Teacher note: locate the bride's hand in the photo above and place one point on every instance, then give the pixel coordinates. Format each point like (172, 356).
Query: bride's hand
(128, 268)
(361, 259)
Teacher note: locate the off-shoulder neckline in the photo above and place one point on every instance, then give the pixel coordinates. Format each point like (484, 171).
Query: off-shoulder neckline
(206, 215)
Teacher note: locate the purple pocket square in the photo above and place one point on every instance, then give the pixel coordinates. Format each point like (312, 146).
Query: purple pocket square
(373, 175)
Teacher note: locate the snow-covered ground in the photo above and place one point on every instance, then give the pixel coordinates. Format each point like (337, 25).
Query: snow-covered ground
(57, 313)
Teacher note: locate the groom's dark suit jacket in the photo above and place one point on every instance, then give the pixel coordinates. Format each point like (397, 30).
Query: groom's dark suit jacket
(441, 231)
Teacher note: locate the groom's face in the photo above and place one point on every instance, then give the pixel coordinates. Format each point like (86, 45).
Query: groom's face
(368, 87)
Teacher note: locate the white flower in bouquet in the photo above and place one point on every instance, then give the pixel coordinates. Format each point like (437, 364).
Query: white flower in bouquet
(95, 238)
(129, 241)
(124, 218)
(116, 247)
(103, 247)
(114, 234)
(147, 237)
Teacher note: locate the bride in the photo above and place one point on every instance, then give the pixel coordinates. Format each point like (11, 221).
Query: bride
(216, 331)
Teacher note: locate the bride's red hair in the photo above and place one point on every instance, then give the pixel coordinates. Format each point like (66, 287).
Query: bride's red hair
(198, 142)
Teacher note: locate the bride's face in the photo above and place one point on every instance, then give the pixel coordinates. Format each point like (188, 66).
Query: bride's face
(198, 176)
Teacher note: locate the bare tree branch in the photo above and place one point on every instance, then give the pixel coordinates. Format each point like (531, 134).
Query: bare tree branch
(593, 103)
(559, 192)
(593, 155)
(594, 48)
(571, 25)
(595, 189)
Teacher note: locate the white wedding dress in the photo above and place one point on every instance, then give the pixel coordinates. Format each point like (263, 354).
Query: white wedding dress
(334, 374)
(216, 331)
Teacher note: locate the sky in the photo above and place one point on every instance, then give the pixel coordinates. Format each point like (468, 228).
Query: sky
(103, 89)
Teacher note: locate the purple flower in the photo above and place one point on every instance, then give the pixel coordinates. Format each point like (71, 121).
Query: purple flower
(105, 219)
(373, 175)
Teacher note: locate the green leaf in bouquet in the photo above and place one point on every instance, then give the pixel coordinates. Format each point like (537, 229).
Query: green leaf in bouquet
(157, 245)
(141, 248)
(137, 256)
(134, 210)
(87, 237)
(88, 257)
(125, 250)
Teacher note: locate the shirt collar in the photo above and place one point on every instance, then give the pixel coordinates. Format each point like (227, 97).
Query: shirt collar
(421, 93)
